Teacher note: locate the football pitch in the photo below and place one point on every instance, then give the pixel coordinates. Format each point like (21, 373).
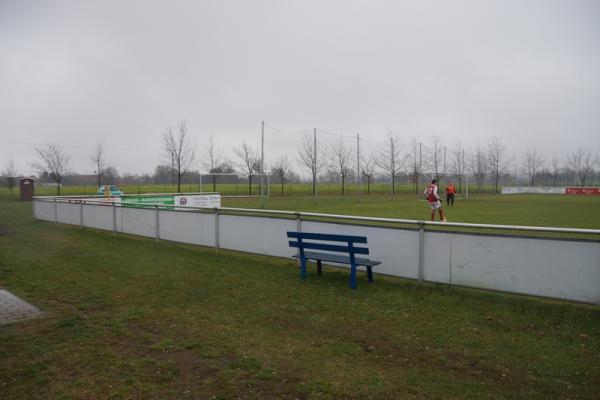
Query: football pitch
(130, 318)
(565, 211)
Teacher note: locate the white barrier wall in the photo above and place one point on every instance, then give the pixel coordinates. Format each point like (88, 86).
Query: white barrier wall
(564, 269)
(533, 190)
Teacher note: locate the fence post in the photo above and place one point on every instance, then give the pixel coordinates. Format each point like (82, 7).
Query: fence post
(298, 228)
(156, 224)
(114, 216)
(421, 250)
(217, 244)
(33, 208)
(55, 212)
(81, 214)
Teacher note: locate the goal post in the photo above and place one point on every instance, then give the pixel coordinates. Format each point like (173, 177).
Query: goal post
(232, 178)
(460, 180)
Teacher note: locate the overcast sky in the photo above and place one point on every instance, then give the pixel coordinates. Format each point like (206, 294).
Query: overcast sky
(75, 73)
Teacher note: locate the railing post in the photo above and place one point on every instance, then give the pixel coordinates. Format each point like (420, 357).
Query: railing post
(55, 212)
(156, 224)
(81, 214)
(421, 250)
(299, 229)
(114, 218)
(217, 242)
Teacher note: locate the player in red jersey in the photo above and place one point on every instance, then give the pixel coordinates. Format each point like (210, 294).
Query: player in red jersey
(431, 193)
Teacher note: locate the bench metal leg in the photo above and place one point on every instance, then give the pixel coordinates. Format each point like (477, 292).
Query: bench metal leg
(319, 269)
(303, 268)
(370, 273)
(353, 276)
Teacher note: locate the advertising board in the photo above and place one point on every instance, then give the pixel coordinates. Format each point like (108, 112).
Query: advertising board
(584, 190)
(198, 200)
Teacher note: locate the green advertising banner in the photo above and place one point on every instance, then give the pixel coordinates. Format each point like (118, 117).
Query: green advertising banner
(140, 201)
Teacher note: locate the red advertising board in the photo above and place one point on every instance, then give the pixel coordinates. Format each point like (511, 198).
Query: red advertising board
(580, 190)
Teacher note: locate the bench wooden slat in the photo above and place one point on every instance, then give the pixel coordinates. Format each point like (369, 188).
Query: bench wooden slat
(330, 247)
(310, 255)
(327, 236)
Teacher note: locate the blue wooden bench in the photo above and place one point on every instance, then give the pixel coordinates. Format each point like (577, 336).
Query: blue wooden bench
(316, 242)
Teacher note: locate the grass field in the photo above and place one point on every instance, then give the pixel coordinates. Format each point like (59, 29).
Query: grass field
(532, 210)
(128, 318)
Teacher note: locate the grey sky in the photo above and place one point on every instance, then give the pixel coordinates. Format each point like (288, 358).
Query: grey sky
(76, 73)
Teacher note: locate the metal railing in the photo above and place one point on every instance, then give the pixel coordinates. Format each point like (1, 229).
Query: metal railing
(299, 214)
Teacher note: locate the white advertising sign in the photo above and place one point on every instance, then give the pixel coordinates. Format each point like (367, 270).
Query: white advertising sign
(533, 190)
(198, 200)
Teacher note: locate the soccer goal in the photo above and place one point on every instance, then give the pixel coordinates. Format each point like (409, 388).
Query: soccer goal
(460, 181)
(236, 185)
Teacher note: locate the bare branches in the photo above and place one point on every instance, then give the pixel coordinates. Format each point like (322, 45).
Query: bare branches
(99, 161)
(248, 162)
(390, 159)
(479, 167)
(213, 160)
(434, 158)
(368, 170)
(9, 175)
(340, 161)
(282, 170)
(581, 163)
(308, 157)
(533, 163)
(497, 159)
(179, 151)
(52, 162)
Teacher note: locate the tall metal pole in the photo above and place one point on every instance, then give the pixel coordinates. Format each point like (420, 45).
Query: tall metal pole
(358, 161)
(444, 160)
(315, 163)
(420, 156)
(262, 164)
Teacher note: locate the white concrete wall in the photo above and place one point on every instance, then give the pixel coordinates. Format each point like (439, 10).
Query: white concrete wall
(564, 269)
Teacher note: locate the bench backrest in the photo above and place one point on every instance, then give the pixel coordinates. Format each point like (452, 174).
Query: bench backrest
(348, 248)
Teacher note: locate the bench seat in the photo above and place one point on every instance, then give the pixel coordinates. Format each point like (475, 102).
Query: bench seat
(348, 250)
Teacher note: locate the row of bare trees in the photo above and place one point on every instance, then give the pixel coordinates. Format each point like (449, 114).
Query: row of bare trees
(487, 164)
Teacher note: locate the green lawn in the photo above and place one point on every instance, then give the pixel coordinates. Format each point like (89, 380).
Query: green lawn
(128, 318)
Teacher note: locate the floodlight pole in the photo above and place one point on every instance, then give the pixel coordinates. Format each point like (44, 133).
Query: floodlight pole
(315, 162)
(358, 162)
(262, 164)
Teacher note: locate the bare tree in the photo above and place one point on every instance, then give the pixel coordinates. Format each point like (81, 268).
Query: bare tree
(213, 160)
(458, 163)
(497, 159)
(282, 170)
(533, 163)
(479, 167)
(52, 162)
(179, 151)
(340, 161)
(368, 170)
(98, 159)
(9, 175)
(390, 159)
(308, 156)
(248, 162)
(581, 163)
(555, 171)
(413, 160)
(434, 153)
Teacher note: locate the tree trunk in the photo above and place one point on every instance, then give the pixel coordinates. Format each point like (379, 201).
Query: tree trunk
(250, 185)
